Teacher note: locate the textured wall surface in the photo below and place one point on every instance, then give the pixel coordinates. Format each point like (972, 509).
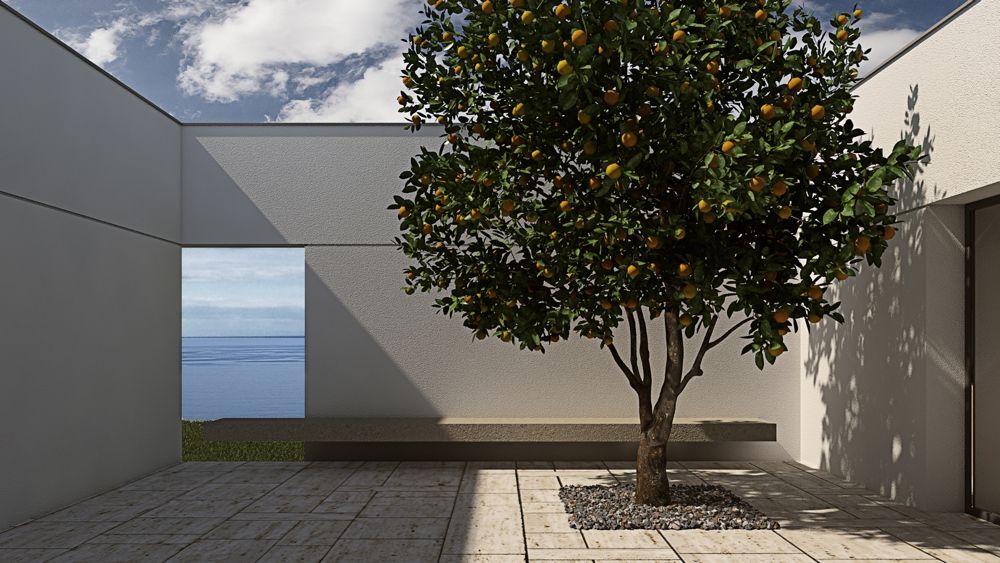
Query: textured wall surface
(89, 345)
(943, 94)
(883, 394)
(89, 313)
(73, 138)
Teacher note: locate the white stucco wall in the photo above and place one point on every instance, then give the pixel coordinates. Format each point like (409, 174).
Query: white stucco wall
(883, 395)
(89, 345)
(73, 138)
(89, 312)
(373, 351)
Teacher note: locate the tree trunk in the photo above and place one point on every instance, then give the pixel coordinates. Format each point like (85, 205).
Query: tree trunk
(652, 483)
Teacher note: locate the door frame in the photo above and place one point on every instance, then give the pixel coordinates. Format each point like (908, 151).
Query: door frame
(970, 355)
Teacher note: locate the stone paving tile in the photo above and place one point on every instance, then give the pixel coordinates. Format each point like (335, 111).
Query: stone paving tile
(546, 522)
(417, 477)
(534, 465)
(728, 541)
(118, 553)
(655, 554)
(39, 534)
(93, 510)
(832, 543)
(257, 475)
(316, 532)
(230, 551)
(482, 482)
(177, 539)
(417, 507)
(478, 558)
(24, 555)
(550, 481)
(251, 530)
(486, 529)
(212, 491)
(295, 554)
(397, 528)
(285, 503)
(538, 507)
(558, 540)
(943, 545)
(175, 481)
(387, 550)
(294, 516)
(150, 499)
(314, 481)
(746, 558)
(984, 538)
(218, 466)
(370, 474)
(169, 526)
(623, 539)
(194, 508)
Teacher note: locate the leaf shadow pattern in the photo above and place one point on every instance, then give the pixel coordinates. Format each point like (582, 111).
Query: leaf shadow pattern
(869, 375)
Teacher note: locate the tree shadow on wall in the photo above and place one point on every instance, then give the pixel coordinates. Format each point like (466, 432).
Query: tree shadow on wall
(868, 370)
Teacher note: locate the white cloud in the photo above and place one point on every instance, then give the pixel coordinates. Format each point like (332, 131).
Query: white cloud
(879, 35)
(244, 48)
(101, 46)
(371, 98)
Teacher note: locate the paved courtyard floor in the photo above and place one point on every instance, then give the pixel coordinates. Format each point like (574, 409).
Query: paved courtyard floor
(476, 512)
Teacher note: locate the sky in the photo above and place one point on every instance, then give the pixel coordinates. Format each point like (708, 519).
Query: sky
(311, 60)
(242, 292)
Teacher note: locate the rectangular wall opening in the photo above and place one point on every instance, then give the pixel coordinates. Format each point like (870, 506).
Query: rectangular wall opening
(243, 333)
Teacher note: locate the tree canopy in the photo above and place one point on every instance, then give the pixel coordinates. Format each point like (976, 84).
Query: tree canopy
(599, 156)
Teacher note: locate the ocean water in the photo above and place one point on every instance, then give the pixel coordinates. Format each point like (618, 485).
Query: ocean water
(255, 377)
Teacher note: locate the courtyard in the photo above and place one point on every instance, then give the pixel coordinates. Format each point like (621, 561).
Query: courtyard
(477, 512)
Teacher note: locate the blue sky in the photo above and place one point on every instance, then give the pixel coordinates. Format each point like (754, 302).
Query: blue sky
(243, 292)
(309, 60)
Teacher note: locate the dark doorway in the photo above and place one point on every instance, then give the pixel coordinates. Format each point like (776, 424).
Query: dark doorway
(983, 327)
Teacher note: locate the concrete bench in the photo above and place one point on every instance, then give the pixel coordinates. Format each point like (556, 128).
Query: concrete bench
(486, 439)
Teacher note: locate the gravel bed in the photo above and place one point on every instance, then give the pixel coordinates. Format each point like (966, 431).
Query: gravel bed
(704, 507)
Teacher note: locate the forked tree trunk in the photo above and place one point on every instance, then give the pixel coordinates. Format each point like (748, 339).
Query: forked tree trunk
(652, 483)
(657, 418)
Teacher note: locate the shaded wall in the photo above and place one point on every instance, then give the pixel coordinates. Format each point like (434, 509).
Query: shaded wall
(373, 351)
(883, 394)
(90, 290)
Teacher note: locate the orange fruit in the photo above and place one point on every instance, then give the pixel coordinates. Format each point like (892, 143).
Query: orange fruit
(760, 15)
(564, 68)
(492, 40)
(679, 36)
(725, 11)
(614, 171)
(689, 291)
(629, 139)
(728, 146)
(506, 207)
(632, 270)
(780, 316)
(888, 232)
(527, 17)
(653, 91)
(841, 35)
(579, 37)
(583, 117)
(858, 14)
(683, 270)
(606, 305)
(817, 112)
(812, 171)
(795, 84)
(785, 212)
(565, 206)
(757, 184)
(488, 7)
(611, 26)
(712, 67)
(704, 206)
(767, 111)
(562, 11)
(593, 183)
(519, 110)
(611, 97)
(842, 19)
(779, 188)
(775, 350)
(815, 292)
(862, 244)
(653, 242)
(685, 320)
(814, 318)
(589, 148)
(427, 228)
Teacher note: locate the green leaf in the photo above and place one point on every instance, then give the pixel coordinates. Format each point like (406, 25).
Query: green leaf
(740, 65)
(830, 216)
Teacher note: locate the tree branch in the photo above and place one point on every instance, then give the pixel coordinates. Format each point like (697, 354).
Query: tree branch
(707, 344)
(633, 343)
(647, 370)
(633, 380)
(645, 401)
(675, 357)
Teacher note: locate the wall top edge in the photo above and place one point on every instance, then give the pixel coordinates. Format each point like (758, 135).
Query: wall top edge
(917, 40)
(87, 61)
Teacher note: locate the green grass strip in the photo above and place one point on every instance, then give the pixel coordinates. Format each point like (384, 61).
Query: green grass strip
(196, 448)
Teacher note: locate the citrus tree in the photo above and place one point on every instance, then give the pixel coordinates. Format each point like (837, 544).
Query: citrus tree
(610, 162)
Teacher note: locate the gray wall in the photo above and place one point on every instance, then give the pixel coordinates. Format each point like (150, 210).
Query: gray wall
(89, 312)
(373, 351)
(987, 390)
